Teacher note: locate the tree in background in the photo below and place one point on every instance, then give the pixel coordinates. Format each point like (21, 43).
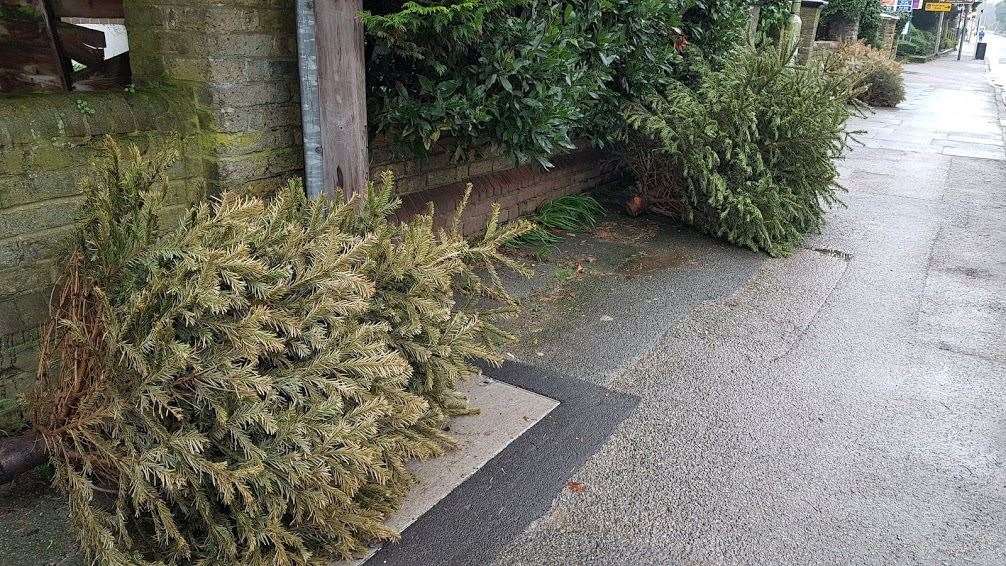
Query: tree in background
(772, 18)
(870, 23)
(840, 15)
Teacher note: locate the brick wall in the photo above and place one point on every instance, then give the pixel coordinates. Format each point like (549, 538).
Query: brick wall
(810, 18)
(46, 143)
(239, 60)
(519, 189)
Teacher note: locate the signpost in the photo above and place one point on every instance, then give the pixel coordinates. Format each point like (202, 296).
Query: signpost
(938, 6)
(963, 31)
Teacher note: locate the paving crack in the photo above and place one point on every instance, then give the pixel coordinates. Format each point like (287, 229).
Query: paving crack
(845, 256)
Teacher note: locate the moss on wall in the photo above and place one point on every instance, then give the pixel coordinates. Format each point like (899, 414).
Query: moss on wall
(46, 144)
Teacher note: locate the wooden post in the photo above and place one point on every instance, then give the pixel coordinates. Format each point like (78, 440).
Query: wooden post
(939, 34)
(342, 95)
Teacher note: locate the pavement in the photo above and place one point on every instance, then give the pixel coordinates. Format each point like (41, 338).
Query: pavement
(843, 405)
(996, 57)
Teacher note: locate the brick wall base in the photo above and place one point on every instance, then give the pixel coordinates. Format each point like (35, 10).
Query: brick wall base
(518, 191)
(46, 144)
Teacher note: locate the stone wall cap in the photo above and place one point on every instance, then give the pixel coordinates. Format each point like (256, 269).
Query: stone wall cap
(813, 3)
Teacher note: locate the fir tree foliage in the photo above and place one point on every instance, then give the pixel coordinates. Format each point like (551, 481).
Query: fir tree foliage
(248, 386)
(748, 155)
(440, 294)
(880, 78)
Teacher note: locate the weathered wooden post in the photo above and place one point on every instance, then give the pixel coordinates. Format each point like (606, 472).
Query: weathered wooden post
(939, 35)
(333, 96)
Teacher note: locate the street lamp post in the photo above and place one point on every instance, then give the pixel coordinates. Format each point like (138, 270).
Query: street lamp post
(939, 35)
(963, 31)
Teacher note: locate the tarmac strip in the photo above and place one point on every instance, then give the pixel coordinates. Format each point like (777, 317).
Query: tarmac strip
(474, 521)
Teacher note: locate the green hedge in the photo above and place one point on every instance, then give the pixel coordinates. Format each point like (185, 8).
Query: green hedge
(917, 43)
(529, 76)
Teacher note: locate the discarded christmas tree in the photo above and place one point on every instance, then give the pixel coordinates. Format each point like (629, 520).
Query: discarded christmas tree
(230, 390)
(439, 294)
(748, 156)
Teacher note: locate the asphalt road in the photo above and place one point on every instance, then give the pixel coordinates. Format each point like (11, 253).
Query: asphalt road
(844, 405)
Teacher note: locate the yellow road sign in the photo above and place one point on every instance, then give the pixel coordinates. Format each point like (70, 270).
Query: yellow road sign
(938, 6)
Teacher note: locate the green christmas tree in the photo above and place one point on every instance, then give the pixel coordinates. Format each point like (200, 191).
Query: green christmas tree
(440, 294)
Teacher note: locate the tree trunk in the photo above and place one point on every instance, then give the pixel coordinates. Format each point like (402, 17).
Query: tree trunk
(19, 454)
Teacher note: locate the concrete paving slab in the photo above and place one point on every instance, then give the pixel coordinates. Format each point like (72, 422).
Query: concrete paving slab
(981, 139)
(974, 150)
(973, 146)
(478, 519)
(915, 145)
(505, 413)
(890, 184)
(974, 181)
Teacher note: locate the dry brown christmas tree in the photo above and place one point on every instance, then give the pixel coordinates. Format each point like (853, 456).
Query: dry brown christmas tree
(249, 386)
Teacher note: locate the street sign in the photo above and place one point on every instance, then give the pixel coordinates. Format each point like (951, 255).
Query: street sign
(906, 5)
(938, 6)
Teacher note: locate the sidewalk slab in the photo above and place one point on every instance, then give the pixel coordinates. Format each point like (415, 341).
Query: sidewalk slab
(505, 413)
(478, 519)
